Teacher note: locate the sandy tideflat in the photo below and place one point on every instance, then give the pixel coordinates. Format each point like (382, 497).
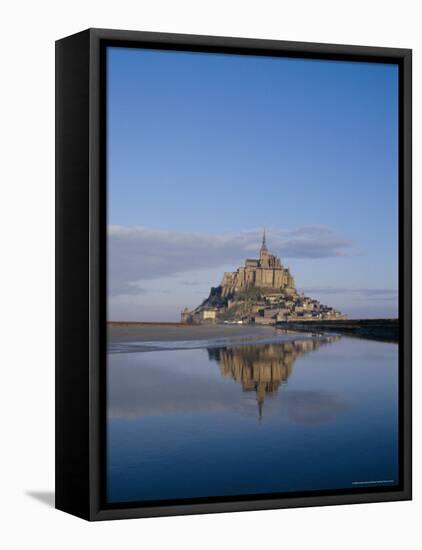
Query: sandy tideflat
(144, 332)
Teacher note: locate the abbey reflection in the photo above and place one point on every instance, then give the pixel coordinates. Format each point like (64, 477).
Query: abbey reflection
(263, 368)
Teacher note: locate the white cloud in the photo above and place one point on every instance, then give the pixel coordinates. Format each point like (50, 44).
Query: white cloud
(137, 254)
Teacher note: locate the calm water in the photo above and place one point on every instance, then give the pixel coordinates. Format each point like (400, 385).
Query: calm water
(212, 419)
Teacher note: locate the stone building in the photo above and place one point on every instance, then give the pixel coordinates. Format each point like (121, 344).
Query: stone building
(264, 272)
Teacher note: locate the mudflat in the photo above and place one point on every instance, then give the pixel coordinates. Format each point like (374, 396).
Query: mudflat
(148, 332)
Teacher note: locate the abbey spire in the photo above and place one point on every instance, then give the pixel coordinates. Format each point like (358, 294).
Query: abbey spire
(264, 241)
(263, 253)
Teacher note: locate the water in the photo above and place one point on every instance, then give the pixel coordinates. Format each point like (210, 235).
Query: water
(232, 418)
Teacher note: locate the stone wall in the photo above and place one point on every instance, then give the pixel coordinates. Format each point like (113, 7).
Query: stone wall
(254, 274)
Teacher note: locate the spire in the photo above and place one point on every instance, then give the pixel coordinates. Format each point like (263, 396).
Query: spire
(260, 404)
(264, 243)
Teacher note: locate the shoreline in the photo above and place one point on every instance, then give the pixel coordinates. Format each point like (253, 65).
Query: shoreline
(385, 330)
(134, 338)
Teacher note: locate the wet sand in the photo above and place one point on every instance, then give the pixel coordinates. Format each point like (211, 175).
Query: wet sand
(149, 332)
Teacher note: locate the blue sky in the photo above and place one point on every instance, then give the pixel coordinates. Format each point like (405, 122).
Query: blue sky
(204, 150)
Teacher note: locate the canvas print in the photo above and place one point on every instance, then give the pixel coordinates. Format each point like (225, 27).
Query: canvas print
(252, 276)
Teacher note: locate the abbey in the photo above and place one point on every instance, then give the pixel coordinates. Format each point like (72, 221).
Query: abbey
(262, 291)
(265, 272)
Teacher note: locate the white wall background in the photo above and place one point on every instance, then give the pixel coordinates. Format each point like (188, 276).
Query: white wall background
(29, 29)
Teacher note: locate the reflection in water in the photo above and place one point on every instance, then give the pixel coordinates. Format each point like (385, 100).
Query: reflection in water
(263, 369)
(180, 426)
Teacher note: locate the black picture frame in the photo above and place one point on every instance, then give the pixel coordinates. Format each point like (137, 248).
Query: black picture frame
(81, 268)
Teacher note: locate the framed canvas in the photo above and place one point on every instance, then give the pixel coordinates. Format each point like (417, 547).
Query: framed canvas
(233, 274)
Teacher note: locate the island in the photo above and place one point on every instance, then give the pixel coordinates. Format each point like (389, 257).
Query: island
(262, 292)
